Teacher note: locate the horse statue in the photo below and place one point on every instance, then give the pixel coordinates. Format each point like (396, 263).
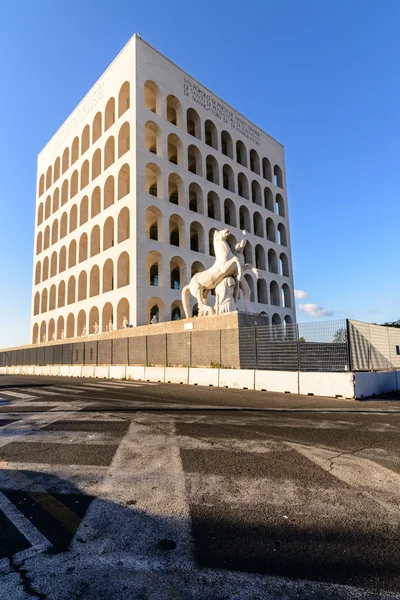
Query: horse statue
(226, 265)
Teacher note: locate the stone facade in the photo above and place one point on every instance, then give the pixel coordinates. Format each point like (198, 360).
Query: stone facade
(130, 191)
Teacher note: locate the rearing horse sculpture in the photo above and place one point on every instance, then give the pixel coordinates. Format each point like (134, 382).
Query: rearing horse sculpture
(226, 265)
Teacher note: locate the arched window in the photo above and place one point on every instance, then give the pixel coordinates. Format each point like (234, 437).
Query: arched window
(123, 225)
(71, 293)
(123, 270)
(154, 274)
(244, 219)
(286, 300)
(278, 177)
(43, 337)
(94, 285)
(122, 313)
(54, 232)
(85, 142)
(228, 178)
(124, 98)
(176, 230)
(210, 134)
(40, 214)
(254, 162)
(74, 184)
(193, 123)
(284, 265)
(109, 114)
(174, 111)
(108, 276)
(52, 325)
(35, 333)
(123, 181)
(64, 192)
(271, 232)
(49, 177)
(256, 193)
(36, 304)
(46, 238)
(175, 278)
(72, 254)
(250, 283)
(39, 241)
(82, 286)
(75, 150)
(152, 138)
(267, 172)
(196, 198)
(41, 185)
(153, 180)
(258, 228)
(175, 313)
(195, 160)
(241, 153)
(70, 326)
(47, 207)
(95, 241)
(243, 186)
(262, 293)
(124, 142)
(73, 218)
(279, 206)
(95, 202)
(108, 196)
(62, 263)
(175, 150)
(96, 164)
(84, 211)
(226, 144)
(56, 200)
(57, 169)
(212, 169)
(154, 314)
(108, 234)
(65, 160)
(213, 206)
(60, 328)
(85, 174)
(38, 269)
(176, 192)
(109, 152)
(272, 261)
(45, 269)
(274, 293)
(61, 294)
(282, 238)
(152, 97)
(96, 127)
(230, 212)
(197, 237)
(248, 253)
(211, 249)
(260, 258)
(154, 223)
(53, 264)
(83, 247)
(268, 199)
(93, 320)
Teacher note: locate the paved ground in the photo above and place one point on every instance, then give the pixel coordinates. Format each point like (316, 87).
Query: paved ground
(121, 490)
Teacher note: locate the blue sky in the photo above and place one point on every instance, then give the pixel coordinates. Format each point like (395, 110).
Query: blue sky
(321, 77)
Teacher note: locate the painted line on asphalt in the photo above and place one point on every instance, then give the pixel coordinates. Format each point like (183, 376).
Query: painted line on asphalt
(67, 389)
(19, 395)
(40, 391)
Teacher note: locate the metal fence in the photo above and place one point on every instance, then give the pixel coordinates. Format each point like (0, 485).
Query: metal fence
(374, 347)
(305, 347)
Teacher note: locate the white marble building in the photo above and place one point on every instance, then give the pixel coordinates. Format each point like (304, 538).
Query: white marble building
(132, 187)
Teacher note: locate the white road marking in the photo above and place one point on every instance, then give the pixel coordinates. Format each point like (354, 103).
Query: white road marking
(111, 384)
(34, 537)
(40, 391)
(20, 396)
(67, 389)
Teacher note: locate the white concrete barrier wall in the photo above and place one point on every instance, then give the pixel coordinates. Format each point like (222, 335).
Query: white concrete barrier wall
(102, 371)
(117, 372)
(327, 384)
(176, 375)
(379, 382)
(156, 374)
(204, 376)
(88, 371)
(236, 378)
(277, 381)
(135, 373)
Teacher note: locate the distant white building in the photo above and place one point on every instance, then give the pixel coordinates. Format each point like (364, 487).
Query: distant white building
(130, 191)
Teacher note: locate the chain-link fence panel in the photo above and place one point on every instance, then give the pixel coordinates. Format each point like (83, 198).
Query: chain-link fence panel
(229, 344)
(205, 348)
(137, 350)
(91, 353)
(120, 351)
(157, 350)
(104, 352)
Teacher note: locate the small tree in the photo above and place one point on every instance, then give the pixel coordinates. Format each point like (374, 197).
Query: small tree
(340, 336)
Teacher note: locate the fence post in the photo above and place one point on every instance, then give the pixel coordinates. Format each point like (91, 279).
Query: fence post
(220, 348)
(298, 347)
(255, 347)
(348, 339)
(147, 354)
(390, 354)
(190, 348)
(166, 350)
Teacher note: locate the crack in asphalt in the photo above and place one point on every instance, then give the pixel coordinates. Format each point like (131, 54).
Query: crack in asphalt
(348, 452)
(24, 579)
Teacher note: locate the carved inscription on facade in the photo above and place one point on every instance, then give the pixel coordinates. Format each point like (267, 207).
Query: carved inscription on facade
(79, 116)
(226, 115)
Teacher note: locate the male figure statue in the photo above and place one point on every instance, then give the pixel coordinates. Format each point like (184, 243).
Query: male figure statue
(110, 326)
(125, 323)
(96, 328)
(225, 292)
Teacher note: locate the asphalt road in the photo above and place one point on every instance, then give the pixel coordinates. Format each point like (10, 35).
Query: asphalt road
(136, 490)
